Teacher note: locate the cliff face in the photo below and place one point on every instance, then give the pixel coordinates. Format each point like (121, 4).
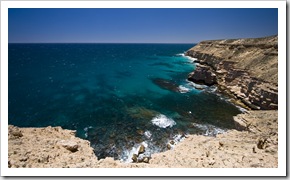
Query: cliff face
(244, 68)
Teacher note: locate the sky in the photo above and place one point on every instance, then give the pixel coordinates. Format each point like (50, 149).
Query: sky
(158, 25)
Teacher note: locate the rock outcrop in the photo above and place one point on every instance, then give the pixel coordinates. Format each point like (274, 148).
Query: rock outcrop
(244, 68)
(56, 147)
(48, 147)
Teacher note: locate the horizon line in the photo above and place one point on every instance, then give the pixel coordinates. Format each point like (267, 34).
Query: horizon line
(99, 43)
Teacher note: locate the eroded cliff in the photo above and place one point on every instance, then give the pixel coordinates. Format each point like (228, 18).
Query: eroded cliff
(244, 68)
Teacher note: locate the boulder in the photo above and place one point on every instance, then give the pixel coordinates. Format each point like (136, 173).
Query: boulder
(135, 158)
(146, 160)
(141, 149)
(69, 145)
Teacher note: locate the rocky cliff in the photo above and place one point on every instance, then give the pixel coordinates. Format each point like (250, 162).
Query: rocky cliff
(55, 147)
(244, 68)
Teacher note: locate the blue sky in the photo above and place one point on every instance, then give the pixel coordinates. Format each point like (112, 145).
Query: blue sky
(139, 25)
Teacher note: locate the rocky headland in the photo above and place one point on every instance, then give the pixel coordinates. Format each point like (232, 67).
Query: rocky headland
(244, 69)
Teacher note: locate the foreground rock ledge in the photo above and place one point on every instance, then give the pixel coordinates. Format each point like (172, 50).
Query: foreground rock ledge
(55, 147)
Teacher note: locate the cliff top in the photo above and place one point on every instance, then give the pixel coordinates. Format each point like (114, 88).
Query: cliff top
(258, 56)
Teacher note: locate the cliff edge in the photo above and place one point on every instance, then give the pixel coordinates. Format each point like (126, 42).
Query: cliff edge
(55, 147)
(244, 68)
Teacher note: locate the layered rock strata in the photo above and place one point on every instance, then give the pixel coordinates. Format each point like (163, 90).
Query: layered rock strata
(244, 68)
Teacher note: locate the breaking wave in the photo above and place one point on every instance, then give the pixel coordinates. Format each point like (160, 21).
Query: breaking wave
(162, 121)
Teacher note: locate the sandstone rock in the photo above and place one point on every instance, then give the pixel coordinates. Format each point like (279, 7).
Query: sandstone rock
(69, 145)
(254, 150)
(261, 143)
(211, 162)
(141, 149)
(240, 123)
(146, 160)
(15, 131)
(202, 75)
(135, 158)
(247, 67)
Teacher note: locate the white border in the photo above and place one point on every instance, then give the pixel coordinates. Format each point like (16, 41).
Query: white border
(280, 171)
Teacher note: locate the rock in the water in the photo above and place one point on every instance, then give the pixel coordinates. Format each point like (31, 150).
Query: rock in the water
(140, 132)
(134, 158)
(70, 145)
(166, 84)
(146, 160)
(141, 149)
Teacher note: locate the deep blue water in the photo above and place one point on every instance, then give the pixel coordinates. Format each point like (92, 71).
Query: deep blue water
(114, 95)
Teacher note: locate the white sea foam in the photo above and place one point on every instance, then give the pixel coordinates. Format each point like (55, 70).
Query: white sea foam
(180, 54)
(147, 134)
(210, 130)
(86, 130)
(196, 86)
(191, 58)
(242, 109)
(183, 89)
(163, 121)
(128, 154)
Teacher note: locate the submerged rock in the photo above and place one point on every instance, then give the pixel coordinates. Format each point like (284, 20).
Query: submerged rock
(141, 112)
(166, 84)
(140, 132)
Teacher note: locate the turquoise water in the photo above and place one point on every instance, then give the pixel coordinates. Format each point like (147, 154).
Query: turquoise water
(115, 95)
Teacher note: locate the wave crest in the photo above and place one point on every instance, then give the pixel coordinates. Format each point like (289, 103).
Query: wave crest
(163, 121)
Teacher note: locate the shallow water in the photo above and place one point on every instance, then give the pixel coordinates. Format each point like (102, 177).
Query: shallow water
(115, 95)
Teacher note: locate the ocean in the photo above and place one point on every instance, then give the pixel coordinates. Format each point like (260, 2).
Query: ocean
(117, 96)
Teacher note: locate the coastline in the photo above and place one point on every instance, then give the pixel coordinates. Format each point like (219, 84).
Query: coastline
(254, 144)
